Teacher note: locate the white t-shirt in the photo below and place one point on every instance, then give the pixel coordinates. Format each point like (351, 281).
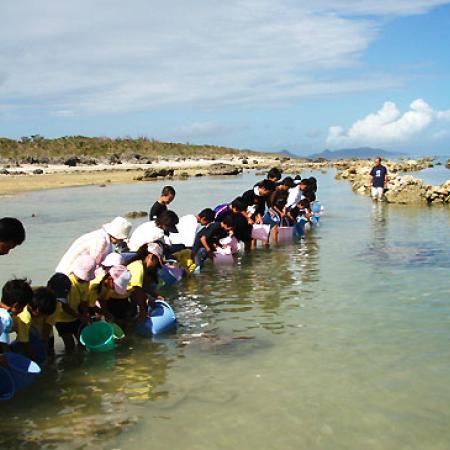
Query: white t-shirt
(96, 244)
(145, 234)
(295, 195)
(187, 229)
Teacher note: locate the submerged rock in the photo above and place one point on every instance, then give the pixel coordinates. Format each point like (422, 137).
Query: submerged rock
(136, 214)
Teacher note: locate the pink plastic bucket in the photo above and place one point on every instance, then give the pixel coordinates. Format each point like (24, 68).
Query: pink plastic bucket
(285, 234)
(260, 232)
(223, 258)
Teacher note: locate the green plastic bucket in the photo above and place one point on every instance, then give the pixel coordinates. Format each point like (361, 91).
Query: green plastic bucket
(98, 337)
(118, 332)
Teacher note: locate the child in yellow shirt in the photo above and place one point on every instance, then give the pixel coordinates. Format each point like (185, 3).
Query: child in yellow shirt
(36, 322)
(16, 294)
(72, 310)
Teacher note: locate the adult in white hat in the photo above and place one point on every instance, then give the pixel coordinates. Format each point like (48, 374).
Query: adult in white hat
(96, 244)
(153, 231)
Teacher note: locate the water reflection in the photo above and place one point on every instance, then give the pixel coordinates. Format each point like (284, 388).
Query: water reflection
(91, 405)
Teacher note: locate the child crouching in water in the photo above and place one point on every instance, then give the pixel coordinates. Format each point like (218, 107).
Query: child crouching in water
(126, 292)
(207, 239)
(299, 215)
(16, 294)
(72, 294)
(35, 323)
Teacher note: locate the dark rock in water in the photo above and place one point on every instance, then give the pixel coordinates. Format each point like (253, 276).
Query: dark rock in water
(184, 175)
(102, 185)
(255, 161)
(4, 172)
(72, 162)
(38, 172)
(447, 164)
(136, 214)
(244, 161)
(199, 174)
(224, 169)
(151, 174)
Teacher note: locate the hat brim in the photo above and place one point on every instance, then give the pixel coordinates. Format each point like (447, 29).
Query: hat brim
(109, 229)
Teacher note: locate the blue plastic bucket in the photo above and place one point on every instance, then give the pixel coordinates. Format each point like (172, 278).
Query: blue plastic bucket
(22, 369)
(37, 345)
(170, 274)
(162, 319)
(98, 337)
(316, 207)
(7, 385)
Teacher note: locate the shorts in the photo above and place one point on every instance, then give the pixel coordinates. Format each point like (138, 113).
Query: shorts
(377, 193)
(121, 308)
(271, 219)
(69, 327)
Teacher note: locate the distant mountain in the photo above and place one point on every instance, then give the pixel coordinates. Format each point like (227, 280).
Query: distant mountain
(360, 153)
(288, 154)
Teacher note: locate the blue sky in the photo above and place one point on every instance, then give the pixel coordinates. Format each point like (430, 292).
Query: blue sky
(260, 74)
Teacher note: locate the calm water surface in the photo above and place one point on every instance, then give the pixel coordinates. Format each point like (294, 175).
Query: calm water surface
(338, 342)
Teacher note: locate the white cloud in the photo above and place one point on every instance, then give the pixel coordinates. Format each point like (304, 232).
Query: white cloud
(387, 125)
(199, 130)
(378, 7)
(113, 56)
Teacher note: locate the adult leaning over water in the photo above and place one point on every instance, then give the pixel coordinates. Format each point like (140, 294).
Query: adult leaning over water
(379, 179)
(154, 231)
(12, 234)
(96, 244)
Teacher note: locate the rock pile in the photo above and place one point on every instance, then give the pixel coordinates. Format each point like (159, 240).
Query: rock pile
(404, 189)
(224, 169)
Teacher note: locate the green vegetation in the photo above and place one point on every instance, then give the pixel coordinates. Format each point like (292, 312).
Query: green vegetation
(39, 147)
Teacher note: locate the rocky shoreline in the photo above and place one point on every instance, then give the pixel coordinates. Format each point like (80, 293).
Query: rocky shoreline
(402, 189)
(35, 174)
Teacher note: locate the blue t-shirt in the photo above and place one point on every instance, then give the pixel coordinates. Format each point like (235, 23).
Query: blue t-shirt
(379, 175)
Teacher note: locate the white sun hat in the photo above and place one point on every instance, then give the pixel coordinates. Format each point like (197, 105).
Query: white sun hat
(118, 228)
(121, 277)
(112, 259)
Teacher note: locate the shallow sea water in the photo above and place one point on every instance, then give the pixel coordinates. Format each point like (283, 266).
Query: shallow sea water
(340, 341)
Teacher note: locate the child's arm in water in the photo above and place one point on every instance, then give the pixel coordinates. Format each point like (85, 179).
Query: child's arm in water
(208, 249)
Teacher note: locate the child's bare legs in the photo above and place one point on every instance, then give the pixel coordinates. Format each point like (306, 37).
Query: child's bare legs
(51, 347)
(275, 234)
(69, 342)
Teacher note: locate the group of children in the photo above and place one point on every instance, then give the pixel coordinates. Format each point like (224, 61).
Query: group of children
(113, 273)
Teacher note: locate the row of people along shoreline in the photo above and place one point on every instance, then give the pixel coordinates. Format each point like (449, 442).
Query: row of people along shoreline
(112, 273)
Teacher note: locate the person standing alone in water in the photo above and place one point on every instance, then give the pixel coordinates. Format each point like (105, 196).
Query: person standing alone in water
(379, 179)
